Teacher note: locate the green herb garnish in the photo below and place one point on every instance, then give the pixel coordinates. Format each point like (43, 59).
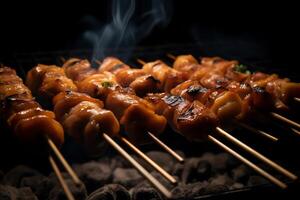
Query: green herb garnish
(241, 69)
(107, 84)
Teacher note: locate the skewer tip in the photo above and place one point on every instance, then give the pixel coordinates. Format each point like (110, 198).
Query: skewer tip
(297, 99)
(167, 148)
(171, 56)
(141, 61)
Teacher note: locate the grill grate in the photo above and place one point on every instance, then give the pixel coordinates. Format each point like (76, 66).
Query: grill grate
(25, 61)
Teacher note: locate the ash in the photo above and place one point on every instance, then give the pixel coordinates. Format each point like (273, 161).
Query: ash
(113, 178)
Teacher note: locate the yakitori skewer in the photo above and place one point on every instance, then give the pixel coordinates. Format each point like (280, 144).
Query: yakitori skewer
(26, 118)
(251, 150)
(248, 127)
(273, 114)
(141, 169)
(73, 108)
(103, 84)
(61, 179)
(157, 140)
(248, 163)
(21, 109)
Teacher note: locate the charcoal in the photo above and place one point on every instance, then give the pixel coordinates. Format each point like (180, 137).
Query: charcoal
(128, 177)
(15, 176)
(162, 159)
(192, 190)
(57, 193)
(177, 169)
(210, 189)
(1, 175)
(39, 184)
(120, 162)
(241, 173)
(220, 162)
(195, 170)
(145, 193)
(110, 192)
(256, 180)
(160, 178)
(94, 174)
(12, 193)
(187, 191)
(237, 186)
(222, 179)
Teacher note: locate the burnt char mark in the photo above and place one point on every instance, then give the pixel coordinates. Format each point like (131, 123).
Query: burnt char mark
(259, 90)
(245, 85)
(173, 100)
(196, 89)
(221, 83)
(187, 114)
(69, 92)
(151, 78)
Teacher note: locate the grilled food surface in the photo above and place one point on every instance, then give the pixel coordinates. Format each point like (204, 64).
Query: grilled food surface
(192, 97)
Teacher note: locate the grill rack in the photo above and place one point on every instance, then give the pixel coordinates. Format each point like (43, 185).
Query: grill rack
(22, 62)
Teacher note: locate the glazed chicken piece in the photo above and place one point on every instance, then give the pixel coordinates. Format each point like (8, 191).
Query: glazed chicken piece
(168, 78)
(136, 115)
(225, 104)
(136, 79)
(280, 91)
(78, 69)
(191, 119)
(186, 63)
(98, 85)
(85, 120)
(126, 76)
(113, 65)
(23, 115)
(144, 85)
(46, 81)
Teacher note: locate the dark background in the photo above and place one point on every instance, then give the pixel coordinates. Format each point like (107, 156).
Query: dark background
(244, 30)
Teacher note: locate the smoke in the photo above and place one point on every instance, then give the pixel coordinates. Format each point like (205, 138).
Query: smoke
(130, 22)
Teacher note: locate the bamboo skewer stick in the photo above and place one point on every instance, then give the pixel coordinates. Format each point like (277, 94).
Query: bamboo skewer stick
(254, 130)
(64, 162)
(256, 154)
(140, 61)
(167, 148)
(171, 56)
(61, 179)
(286, 120)
(248, 163)
(150, 161)
(295, 131)
(141, 169)
(297, 99)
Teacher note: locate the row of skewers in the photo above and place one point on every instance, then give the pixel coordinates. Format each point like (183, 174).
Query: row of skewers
(194, 98)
